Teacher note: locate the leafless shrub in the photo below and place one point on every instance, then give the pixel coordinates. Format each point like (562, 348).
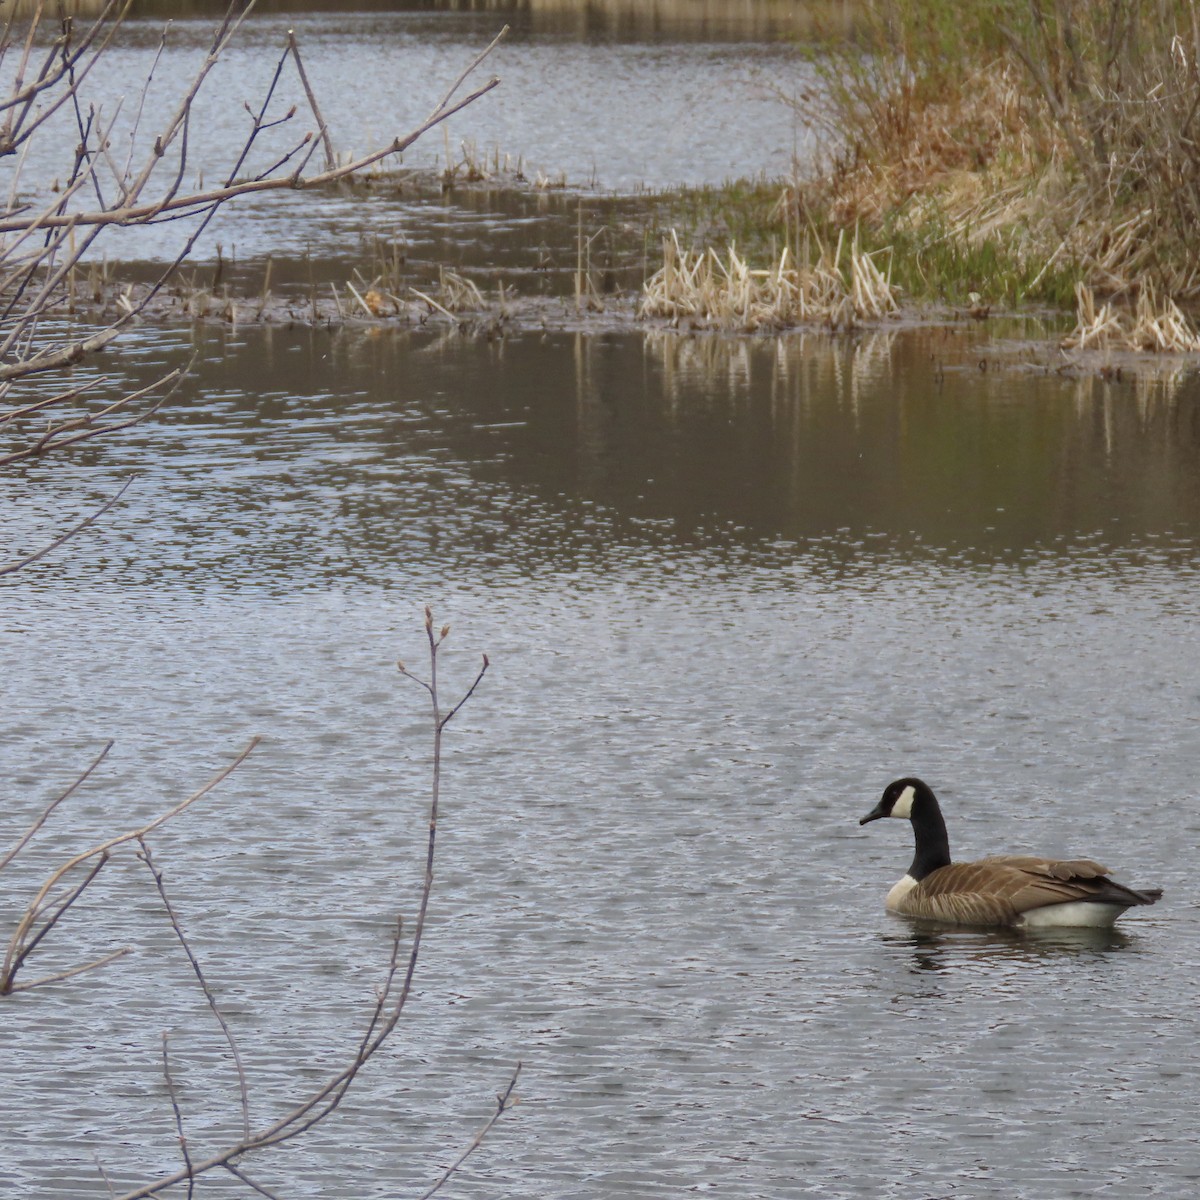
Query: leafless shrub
(68, 882)
(48, 228)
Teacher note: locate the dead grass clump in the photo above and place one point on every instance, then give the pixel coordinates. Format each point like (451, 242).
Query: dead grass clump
(474, 166)
(1064, 135)
(838, 289)
(908, 141)
(1151, 325)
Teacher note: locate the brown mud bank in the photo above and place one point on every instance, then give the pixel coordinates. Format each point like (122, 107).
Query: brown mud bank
(957, 342)
(482, 252)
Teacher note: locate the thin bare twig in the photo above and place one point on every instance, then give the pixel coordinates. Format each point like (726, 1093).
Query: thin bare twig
(61, 975)
(18, 946)
(90, 425)
(237, 1173)
(183, 1142)
(439, 112)
(56, 909)
(322, 127)
(70, 790)
(504, 1101)
(157, 875)
(10, 568)
(390, 1001)
(104, 1175)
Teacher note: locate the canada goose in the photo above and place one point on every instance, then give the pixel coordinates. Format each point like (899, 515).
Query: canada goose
(1028, 892)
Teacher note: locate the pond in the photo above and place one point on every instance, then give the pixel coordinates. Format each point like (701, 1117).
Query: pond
(729, 589)
(591, 104)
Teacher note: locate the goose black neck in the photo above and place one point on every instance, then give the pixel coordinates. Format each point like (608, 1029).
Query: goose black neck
(929, 830)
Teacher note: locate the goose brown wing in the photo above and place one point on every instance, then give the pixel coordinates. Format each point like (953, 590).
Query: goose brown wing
(970, 893)
(1079, 878)
(997, 890)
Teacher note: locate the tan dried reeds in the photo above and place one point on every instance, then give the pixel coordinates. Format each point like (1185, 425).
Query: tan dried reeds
(1151, 325)
(1060, 136)
(839, 289)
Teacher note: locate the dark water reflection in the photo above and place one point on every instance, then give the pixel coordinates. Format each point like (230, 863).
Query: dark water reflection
(335, 454)
(729, 589)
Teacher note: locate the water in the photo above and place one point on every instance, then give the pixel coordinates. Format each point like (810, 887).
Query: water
(729, 590)
(622, 112)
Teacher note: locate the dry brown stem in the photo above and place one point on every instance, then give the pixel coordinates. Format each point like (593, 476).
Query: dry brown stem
(840, 288)
(45, 909)
(45, 233)
(1151, 325)
(391, 997)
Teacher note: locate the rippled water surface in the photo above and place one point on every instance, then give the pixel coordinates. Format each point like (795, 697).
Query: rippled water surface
(577, 102)
(729, 589)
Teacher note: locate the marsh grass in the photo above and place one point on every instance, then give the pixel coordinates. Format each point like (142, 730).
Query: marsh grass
(1003, 154)
(1151, 324)
(1021, 150)
(838, 288)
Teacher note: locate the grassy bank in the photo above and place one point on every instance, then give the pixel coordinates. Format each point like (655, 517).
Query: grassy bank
(1042, 152)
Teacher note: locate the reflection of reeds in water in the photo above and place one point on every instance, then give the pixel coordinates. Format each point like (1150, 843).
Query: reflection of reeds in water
(20, 8)
(750, 18)
(1155, 391)
(807, 362)
(811, 363)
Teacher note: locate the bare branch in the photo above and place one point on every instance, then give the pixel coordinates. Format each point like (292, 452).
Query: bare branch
(68, 356)
(89, 425)
(15, 130)
(157, 875)
(32, 558)
(134, 214)
(469, 693)
(183, 1142)
(61, 975)
(504, 1101)
(104, 1175)
(238, 1173)
(385, 1014)
(56, 909)
(75, 784)
(16, 951)
(440, 110)
(322, 127)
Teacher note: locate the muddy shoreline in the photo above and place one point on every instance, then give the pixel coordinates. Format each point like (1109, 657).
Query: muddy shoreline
(582, 274)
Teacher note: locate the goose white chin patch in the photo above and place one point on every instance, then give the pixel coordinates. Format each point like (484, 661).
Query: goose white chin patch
(904, 803)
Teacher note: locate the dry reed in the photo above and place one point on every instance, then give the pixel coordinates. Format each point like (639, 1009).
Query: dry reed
(839, 289)
(1017, 149)
(1151, 325)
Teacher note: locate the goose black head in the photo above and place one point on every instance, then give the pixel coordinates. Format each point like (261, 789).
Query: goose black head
(900, 798)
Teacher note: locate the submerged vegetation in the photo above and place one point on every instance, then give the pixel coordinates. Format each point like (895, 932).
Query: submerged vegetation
(1021, 152)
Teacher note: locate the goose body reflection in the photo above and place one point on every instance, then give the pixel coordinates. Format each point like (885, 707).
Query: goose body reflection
(1019, 891)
